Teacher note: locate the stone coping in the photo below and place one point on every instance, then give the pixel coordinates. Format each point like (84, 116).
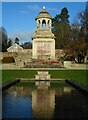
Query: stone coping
(78, 87)
(32, 68)
(33, 79)
(9, 84)
(39, 69)
(42, 72)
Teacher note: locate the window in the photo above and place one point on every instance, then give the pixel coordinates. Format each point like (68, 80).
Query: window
(43, 24)
(49, 23)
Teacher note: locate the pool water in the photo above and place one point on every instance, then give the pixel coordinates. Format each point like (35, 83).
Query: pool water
(60, 102)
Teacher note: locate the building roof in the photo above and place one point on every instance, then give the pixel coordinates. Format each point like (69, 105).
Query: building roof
(15, 46)
(43, 14)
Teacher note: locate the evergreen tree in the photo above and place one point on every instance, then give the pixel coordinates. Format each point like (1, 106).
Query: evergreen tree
(64, 15)
(9, 42)
(27, 45)
(61, 27)
(3, 39)
(17, 40)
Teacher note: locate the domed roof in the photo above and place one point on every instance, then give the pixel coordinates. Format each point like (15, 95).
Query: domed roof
(43, 14)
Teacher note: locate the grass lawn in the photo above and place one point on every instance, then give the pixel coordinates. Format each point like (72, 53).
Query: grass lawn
(78, 75)
(32, 84)
(26, 84)
(56, 85)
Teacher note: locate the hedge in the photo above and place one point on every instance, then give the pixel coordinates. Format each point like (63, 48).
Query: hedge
(8, 59)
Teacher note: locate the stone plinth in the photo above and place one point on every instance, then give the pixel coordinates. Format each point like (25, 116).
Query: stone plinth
(43, 48)
(42, 85)
(42, 75)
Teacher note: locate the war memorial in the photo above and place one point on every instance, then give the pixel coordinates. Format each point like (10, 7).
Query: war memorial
(38, 84)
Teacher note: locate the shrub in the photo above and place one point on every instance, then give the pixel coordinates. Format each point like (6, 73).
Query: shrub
(8, 59)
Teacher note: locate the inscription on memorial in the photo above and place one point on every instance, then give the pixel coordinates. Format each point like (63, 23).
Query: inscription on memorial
(43, 48)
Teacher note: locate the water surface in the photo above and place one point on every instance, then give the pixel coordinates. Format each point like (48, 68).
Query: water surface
(61, 102)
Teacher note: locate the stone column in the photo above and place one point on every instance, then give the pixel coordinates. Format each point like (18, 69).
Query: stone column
(50, 24)
(34, 50)
(53, 49)
(47, 27)
(40, 24)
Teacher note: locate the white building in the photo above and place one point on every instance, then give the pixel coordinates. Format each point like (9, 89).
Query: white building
(14, 48)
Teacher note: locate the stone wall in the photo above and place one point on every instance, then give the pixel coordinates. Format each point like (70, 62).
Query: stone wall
(70, 65)
(20, 57)
(25, 55)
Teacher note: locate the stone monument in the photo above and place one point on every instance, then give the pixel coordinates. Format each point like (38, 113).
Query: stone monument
(43, 39)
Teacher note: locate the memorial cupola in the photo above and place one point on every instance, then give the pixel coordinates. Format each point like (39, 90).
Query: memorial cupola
(43, 44)
(43, 20)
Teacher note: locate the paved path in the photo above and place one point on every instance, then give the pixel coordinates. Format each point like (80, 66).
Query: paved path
(14, 67)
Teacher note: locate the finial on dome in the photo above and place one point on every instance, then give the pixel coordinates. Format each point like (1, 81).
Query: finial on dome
(44, 7)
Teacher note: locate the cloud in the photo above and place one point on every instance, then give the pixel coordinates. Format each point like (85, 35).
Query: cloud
(38, 8)
(52, 9)
(22, 36)
(24, 12)
(31, 7)
(34, 7)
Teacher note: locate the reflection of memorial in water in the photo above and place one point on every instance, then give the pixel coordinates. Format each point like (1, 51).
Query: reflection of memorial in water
(43, 100)
(43, 103)
(20, 90)
(59, 102)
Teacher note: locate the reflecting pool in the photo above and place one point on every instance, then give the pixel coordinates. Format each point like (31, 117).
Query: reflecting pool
(59, 102)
